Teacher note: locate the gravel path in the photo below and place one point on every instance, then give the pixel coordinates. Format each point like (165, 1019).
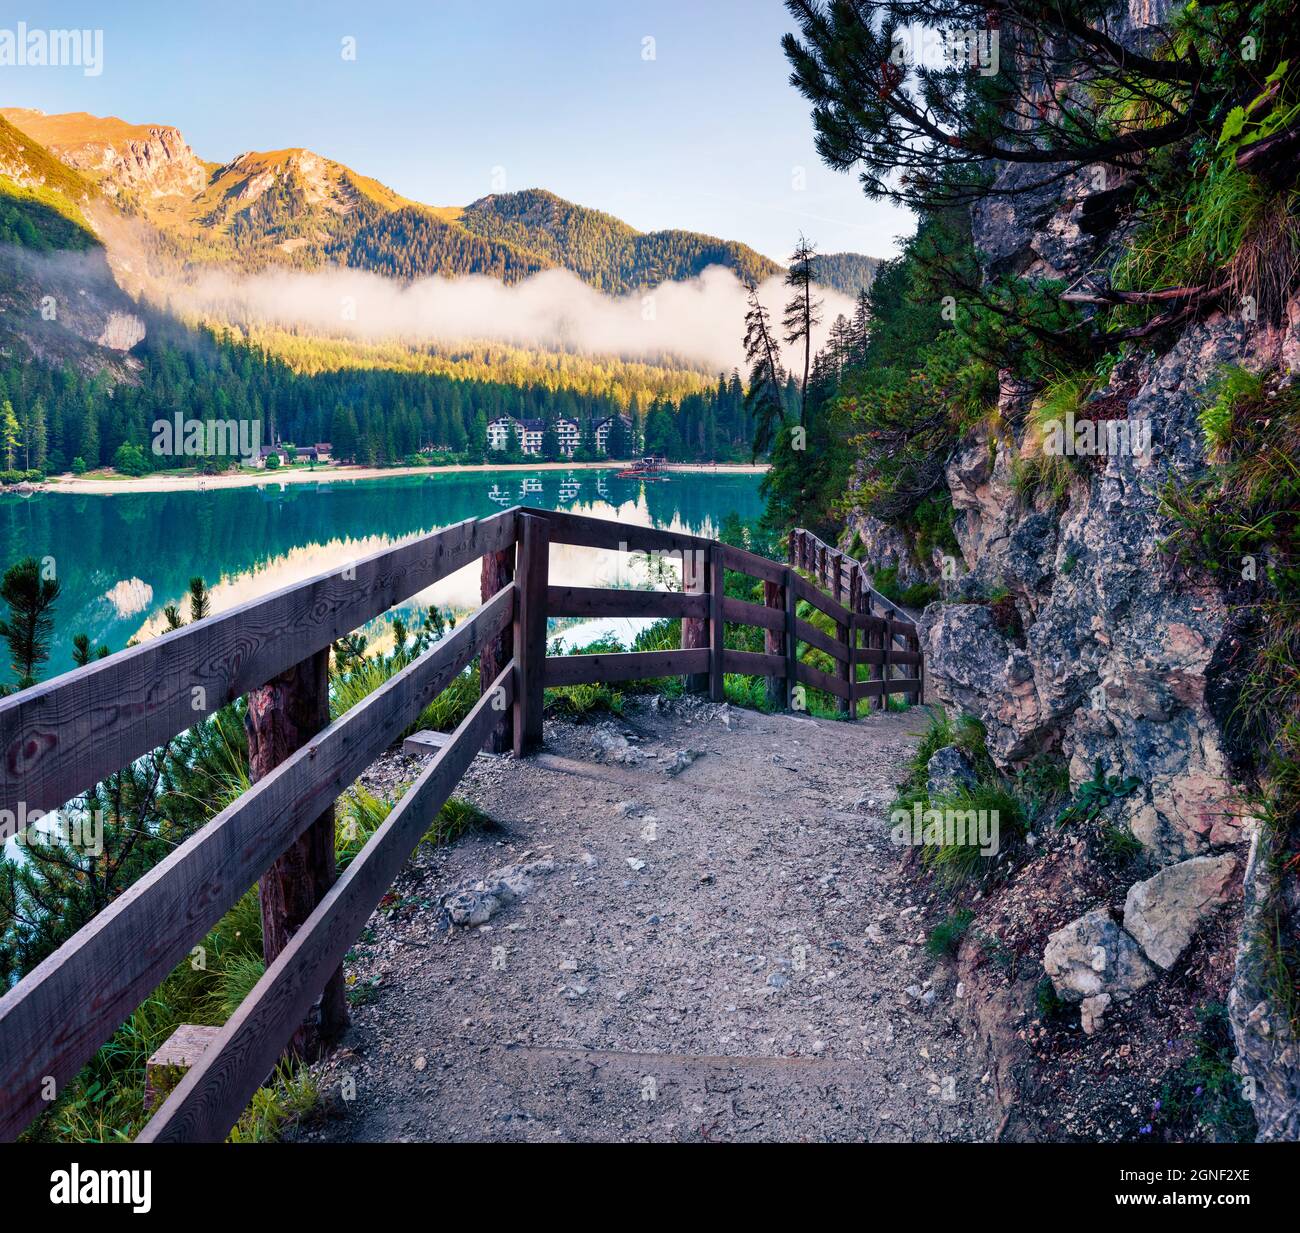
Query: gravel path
(728, 952)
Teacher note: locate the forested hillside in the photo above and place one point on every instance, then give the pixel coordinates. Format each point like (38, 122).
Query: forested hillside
(851, 273)
(600, 249)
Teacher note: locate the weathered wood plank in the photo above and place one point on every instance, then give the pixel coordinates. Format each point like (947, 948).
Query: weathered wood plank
(813, 636)
(65, 1008)
(819, 599)
(498, 572)
(886, 671)
(585, 532)
(752, 663)
(636, 666)
(717, 626)
(791, 637)
(742, 612)
(607, 602)
(60, 737)
(534, 555)
(283, 715)
(774, 638)
(750, 564)
(808, 675)
(211, 1096)
(695, 630)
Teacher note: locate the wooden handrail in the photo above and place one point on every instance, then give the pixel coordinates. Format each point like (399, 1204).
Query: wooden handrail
(876, 599)
(60, 738)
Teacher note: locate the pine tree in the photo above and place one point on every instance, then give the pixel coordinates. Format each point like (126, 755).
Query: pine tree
(200, 599)
(30, 624)
(802, 312)
(10, 433)
(763, 401)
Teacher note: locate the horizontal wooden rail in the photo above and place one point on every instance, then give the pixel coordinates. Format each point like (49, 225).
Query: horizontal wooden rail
(59, 738)
(742, 612)
(753, 663)
(640, 666)
(54, 1019)
(897, 685)
(808, 675)
(585, 532)
(812, 636)
(598, 602)
(742, 562)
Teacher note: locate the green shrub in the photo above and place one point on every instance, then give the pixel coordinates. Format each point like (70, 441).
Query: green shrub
(1097, 795)
(945, 938)
(955, 864)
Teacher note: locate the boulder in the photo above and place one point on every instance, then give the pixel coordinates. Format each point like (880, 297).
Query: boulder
(1092, 956)
(948, 770)
(1164, 912)
(480, 902)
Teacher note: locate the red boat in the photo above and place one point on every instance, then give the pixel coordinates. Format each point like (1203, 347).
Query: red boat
(646, 469)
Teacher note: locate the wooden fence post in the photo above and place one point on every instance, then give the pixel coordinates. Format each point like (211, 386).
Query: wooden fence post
(283, 715)
(855, 600)
(533, 572)
(791, 639)
(695, 630)
(774, 641)
(717, 626)
(498, 573)
(887, 642)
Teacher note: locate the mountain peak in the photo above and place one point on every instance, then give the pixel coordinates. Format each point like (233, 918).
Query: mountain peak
(152, 160)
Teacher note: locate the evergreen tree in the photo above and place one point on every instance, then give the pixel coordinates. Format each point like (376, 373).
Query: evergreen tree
(763, 402)
(29, 626)
(10, 434)
(802, 312)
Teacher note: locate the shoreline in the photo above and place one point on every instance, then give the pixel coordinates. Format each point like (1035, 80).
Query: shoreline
(79, 486)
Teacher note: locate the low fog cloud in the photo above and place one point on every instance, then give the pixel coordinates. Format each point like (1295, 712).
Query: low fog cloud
(698, 322)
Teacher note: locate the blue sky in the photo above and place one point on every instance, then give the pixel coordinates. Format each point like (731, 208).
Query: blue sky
(708, 135)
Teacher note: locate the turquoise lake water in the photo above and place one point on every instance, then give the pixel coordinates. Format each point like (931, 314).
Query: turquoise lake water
(121, 558)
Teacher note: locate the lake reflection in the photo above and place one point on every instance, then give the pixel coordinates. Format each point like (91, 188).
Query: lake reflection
(121, 558)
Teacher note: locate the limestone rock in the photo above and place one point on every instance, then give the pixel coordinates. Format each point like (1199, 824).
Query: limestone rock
(1093, 956)
(1268, 1053)
(477, 904)
(1164, 912)
(948, 770)
(1091, 1011)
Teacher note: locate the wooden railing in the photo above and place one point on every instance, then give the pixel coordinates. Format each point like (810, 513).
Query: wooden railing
(59, 739)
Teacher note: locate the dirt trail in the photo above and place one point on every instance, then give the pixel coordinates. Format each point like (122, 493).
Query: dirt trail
(749, 981)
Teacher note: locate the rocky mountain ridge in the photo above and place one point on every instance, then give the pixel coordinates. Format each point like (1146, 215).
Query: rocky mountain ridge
(300, 207)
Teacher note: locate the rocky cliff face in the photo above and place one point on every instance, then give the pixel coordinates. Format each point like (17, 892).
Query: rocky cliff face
(148, 161)
(1115, 652)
